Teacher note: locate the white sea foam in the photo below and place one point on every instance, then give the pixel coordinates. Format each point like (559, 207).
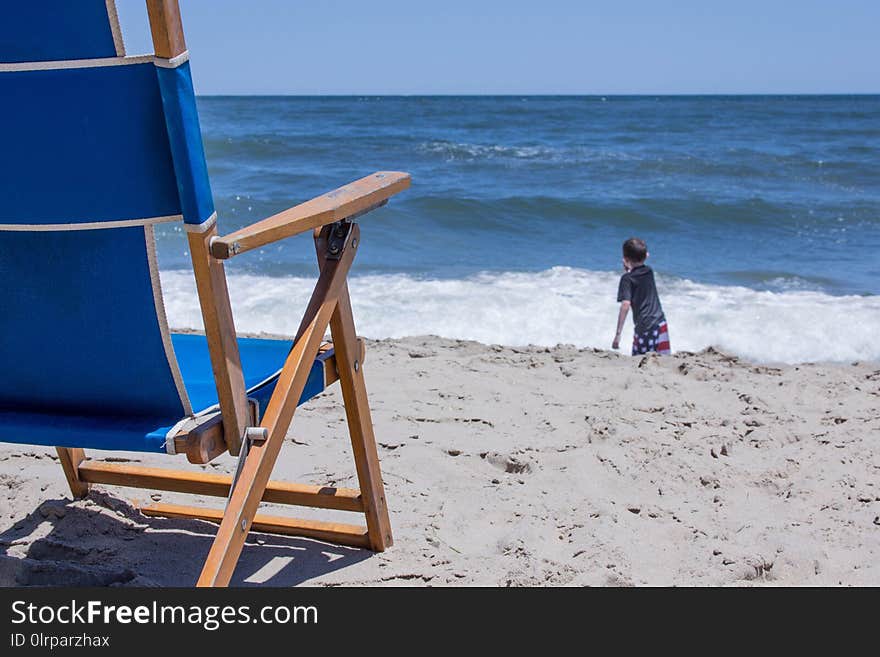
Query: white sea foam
(561, 305)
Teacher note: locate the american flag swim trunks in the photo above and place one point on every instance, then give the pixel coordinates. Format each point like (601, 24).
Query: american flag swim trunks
(654, 339)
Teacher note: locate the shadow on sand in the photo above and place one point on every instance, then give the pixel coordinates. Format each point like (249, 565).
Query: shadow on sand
(104, 541)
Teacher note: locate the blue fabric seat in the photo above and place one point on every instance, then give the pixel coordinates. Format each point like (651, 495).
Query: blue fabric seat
(261, 360)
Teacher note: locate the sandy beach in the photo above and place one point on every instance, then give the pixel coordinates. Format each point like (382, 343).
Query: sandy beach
(523, 467)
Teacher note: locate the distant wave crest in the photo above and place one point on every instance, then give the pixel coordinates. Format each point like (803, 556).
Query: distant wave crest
(453, 150)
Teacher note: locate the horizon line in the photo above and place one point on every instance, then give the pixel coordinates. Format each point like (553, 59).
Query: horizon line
(534, 94)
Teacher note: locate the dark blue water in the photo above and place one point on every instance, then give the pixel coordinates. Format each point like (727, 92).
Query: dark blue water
(765, 192)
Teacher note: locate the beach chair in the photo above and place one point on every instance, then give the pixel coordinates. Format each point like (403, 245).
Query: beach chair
(98, 148)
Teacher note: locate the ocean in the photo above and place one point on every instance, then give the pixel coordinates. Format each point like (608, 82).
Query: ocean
(761, 214)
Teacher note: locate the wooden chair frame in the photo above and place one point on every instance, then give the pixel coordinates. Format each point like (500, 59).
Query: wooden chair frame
(337, 238)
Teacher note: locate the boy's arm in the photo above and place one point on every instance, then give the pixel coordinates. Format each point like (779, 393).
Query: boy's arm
(621, 318)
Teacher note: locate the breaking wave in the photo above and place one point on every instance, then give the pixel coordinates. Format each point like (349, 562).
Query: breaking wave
(561, 305)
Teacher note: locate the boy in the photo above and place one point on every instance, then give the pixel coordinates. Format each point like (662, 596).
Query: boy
(637, 290)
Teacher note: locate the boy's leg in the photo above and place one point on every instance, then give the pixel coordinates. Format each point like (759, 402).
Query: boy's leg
(651, 339)
(655, 339)
(638, 344)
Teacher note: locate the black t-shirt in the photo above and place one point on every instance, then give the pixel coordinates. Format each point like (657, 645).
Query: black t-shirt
(637, 286)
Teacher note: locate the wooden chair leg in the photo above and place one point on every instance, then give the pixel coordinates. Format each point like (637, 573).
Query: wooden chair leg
(70, 458)
(250, 488)
(360, 423)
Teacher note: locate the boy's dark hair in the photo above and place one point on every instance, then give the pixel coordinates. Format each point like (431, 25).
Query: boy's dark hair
(635, 250)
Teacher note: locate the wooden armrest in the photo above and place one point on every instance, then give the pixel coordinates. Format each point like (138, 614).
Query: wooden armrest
(352, 199)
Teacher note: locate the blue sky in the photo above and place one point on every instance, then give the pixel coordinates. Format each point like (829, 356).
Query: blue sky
(518, 47)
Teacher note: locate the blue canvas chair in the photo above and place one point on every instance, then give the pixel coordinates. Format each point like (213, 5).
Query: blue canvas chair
(98, 148)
